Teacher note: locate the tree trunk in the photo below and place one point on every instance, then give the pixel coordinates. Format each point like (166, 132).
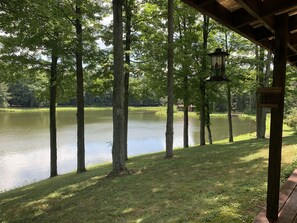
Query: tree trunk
(208, 122)
(229, 98)
(53, 127)
(80, 94)
(202, 82)
(229, 114)
(118, 156)
(262, 79)
(266, 84)
(127, 71)
(169, 123)
(186, 111)
(202, 112)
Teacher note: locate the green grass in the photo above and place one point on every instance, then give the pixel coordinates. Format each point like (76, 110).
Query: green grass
(224, 182)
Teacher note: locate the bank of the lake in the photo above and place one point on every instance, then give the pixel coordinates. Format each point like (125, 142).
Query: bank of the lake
(224, 182)
(24, 136)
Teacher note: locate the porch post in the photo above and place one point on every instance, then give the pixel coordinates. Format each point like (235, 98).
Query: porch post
(277, 114)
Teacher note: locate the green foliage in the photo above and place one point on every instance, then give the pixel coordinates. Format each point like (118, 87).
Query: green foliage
(5, 95)
(26, 44)
(291, 119)
(22, 94)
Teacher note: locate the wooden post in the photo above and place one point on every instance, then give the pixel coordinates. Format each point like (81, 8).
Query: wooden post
(276, 126)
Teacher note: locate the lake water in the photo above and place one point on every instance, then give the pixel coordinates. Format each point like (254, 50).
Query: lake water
(24, 138)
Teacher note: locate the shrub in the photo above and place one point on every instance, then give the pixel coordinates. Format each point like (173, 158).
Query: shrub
(291, 120)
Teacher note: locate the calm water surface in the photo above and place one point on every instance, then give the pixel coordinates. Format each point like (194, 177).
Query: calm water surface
(24, 138)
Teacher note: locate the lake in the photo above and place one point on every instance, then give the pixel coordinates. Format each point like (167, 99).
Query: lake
(24, 137)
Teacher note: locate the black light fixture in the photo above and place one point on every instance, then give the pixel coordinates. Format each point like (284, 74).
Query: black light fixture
(218, 65)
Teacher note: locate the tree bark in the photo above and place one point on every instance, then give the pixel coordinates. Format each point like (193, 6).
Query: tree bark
(202, 82)
(208, 122)
(127, 71)
(80, 94)
(169, 123)
(118, 156)
(186, 111)
(229, 98)
(260, 116)
(262, 128)
(53, 127)
(230, 114)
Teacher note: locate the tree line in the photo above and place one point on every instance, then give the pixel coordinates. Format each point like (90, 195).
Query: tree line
(74, 52)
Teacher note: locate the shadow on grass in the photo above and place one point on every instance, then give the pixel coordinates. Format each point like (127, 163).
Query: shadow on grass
(216, 183)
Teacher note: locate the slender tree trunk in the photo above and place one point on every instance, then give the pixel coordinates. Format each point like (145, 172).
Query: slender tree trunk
(127, 71)
(230, 114)
(208, 122)
(229, 98)
(53, 127)
(169, 123)
(182, 28)
(202, 112)
(80, 94)
(266, 84)
(186, 111)
(118, 154)
(261, 112)
(202, 82)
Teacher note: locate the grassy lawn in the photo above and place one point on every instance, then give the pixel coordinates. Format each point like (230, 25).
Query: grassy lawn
(216, 183)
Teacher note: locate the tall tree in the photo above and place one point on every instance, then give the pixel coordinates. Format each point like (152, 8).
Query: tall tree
(118, 156)
(79, 91)
(186, 110)
(207, 121)
(128, 27)
(202, 82)
(30, 42)
(185, 37)
(263, 81)
(229, 97)
(230, 113)
(53, 125)
(169, 123)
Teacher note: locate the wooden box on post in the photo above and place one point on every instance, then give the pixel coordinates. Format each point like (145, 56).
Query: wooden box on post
(269, 97)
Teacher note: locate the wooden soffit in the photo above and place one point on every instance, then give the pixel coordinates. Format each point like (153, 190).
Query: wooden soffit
(253, 19)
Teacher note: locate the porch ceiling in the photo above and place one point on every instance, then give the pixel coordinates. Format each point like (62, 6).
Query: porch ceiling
(253, 19)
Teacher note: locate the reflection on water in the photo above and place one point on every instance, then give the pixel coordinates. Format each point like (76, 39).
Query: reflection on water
(24, 137)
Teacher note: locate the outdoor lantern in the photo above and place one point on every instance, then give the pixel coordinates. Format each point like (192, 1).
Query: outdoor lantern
(218, 66)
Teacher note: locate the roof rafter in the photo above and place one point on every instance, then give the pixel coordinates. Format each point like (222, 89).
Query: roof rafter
(254, 19)
(277, 7)
(254, 8)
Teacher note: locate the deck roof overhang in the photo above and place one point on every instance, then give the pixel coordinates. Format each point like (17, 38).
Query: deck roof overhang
(253, 19)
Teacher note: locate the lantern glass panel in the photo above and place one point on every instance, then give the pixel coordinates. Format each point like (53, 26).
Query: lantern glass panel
(218, 66)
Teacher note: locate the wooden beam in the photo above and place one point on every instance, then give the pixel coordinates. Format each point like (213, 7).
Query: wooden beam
(254, 9)
(222, 14)
(293, 39)
(277, 115)
(277, 7)
(242, 18)
(293, 23)
(262, 33)
(202, 3)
